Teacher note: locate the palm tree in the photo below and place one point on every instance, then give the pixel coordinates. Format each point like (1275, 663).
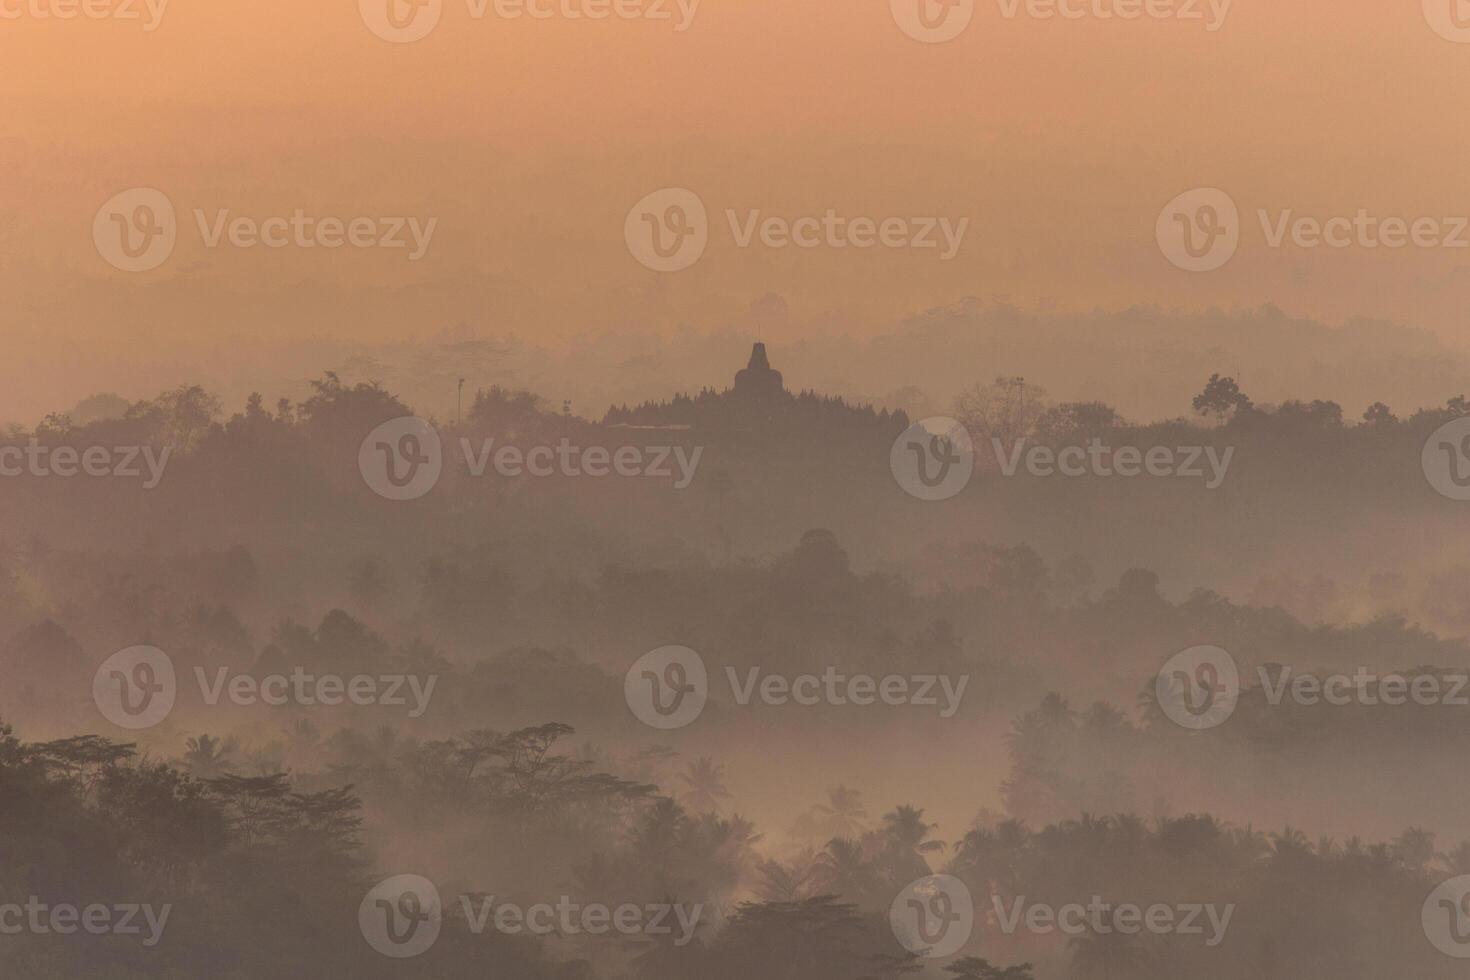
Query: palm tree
(843, 813)
(908, 833)
(209, 758)
(1248, 843)
(1415, 847)
(1093, 834)
(706, 782)
(1129, 833)
(843, 870)
(787, 882)
(1290, 843)
(658, 832)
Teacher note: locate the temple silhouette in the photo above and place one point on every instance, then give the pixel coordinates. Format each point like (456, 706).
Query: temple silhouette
(758, 379)
(759, 401)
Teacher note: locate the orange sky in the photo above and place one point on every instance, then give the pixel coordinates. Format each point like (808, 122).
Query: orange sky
(529, 140)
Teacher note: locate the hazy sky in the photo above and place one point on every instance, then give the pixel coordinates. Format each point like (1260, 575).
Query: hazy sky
(528, 141)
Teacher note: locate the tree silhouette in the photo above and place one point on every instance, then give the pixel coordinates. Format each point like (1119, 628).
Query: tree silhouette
(208, 757)
(975, 968)
(706, 785)
(1221, 399)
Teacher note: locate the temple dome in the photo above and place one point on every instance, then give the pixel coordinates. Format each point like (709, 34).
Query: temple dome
(758, 378)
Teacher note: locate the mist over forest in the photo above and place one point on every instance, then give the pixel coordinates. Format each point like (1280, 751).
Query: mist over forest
(698, 490)
(490, 631)
(1146, 361)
